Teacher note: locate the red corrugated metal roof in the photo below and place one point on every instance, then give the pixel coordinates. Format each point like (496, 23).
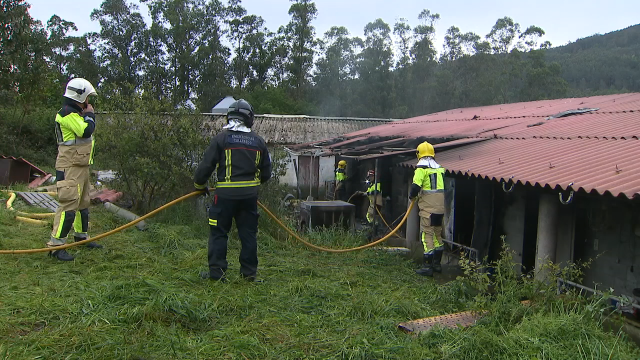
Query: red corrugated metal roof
(510, 119)
(527, 146)
(605, 166)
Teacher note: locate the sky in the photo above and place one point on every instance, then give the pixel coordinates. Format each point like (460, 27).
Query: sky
(563, 21)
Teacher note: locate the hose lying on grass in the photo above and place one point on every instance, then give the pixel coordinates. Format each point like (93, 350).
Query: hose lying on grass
(27, 217)
(182, 198)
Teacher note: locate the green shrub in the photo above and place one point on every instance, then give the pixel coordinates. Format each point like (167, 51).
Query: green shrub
(29, 134)
(154, 155)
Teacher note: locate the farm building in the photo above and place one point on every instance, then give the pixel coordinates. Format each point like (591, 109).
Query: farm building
(558, 179)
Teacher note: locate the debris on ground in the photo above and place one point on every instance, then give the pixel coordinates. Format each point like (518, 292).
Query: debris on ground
(19, 171)
(103, 196)
(42, 200)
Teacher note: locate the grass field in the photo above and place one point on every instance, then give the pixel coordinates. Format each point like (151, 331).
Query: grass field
(141, 298)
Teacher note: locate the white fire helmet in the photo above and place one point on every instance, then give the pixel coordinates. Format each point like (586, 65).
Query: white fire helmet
(78, 89)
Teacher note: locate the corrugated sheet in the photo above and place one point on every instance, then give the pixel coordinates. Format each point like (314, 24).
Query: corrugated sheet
(605, 166)
(299, 129)
(510, 119)
(594, 151)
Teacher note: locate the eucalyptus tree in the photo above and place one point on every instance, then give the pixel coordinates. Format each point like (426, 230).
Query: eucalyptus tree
(247, 35)
(300, 37)
(335, 69)
(374, 70)
(23, 49)
(191, 35)
(121, 44)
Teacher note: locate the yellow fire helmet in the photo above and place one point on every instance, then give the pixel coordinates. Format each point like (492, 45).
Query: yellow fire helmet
(342, 164)
(425, 149)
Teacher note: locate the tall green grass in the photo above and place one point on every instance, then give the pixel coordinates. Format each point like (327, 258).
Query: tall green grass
(141, 298)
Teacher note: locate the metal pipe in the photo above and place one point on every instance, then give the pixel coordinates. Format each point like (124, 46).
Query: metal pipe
(412, 233)
(310, 197)
(125, 214)
(295, 167)
(375, 181)
(594, 291)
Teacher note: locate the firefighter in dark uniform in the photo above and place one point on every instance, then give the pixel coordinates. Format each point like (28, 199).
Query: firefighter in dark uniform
(428, 185)
(242, 162)
(74, 125)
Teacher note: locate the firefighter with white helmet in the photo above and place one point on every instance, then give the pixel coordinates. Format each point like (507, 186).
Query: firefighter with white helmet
(74, 125)
(428, 185)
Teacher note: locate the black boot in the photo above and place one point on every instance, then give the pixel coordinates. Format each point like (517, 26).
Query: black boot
(427, 269)
(437, 258)
(61, 255)
(90, 245)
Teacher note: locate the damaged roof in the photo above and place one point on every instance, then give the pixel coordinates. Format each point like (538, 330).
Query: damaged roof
(296, 129)
(588, 144)
(600, 165)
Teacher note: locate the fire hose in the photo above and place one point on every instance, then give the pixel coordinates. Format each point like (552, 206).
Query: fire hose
(182, 198)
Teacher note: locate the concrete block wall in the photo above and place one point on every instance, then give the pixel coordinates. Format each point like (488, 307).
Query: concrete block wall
(613, 244)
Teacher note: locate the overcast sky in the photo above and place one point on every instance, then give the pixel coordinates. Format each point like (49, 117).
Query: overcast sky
(563, 20)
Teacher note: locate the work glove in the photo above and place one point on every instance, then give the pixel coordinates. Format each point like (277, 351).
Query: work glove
(204, 191)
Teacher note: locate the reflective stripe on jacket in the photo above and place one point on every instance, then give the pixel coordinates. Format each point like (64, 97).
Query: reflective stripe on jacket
(429, 179)
(429, 183)
(373, 189)
(74, 134)
(242, 162)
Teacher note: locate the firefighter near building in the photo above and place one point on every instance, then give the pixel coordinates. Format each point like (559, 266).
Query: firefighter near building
(428, 187)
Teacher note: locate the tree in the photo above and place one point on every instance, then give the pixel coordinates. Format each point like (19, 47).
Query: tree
(260, 57)
(190, 33)
(542, 80)
(60, 45)
(403, 32)
(506, 36)
(335, 69)
(374, 69)
(82, 60)
(423, 50)
(457, 44)
(300, 37)
(121, 44)
(156, 77)
(212, 65)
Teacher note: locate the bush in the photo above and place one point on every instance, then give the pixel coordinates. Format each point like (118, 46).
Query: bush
(29, 134)
(154, 155)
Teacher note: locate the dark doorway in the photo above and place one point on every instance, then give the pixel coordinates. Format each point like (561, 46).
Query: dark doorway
(530, 239)
(463, 217)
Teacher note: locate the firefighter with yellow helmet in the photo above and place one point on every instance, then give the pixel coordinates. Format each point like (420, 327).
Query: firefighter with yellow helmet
(428, 186)
(74, 124)
(341, 177)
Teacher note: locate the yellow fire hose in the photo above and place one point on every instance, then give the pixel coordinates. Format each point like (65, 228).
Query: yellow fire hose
(182, 198)
(382, 217)
(385, 238)
(27, 217)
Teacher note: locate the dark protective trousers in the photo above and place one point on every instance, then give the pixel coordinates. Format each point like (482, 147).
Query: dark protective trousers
(221, 214)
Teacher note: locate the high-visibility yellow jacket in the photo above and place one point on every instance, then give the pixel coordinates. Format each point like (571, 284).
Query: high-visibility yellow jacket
(429, 184)
(340, 175)
(74, 133)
